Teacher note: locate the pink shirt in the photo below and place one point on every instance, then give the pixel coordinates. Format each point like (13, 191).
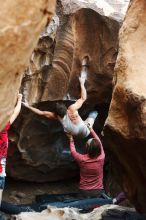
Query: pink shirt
(4, 141)
(91, 169)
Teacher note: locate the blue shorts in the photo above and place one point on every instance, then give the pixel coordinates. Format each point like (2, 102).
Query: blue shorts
(2, 182)
(2, 172)
(93, 114)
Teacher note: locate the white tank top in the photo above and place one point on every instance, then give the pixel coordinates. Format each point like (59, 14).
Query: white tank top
(79, 129)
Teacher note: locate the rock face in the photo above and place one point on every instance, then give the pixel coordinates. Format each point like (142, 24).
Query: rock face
(126, 124)
(42, 145)
(74, 40)
(20, 25)
(56, 62)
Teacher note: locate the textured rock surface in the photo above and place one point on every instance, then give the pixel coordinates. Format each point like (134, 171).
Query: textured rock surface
(75, 31)
(42, 145)
(106, 212)
(73, 41)
(126, 124)
(20, 25)
(110, 8)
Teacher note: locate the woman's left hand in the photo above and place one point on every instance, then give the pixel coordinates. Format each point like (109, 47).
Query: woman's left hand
(70, 137)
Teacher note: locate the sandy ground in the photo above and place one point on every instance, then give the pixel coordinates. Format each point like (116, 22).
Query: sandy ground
(18, 192)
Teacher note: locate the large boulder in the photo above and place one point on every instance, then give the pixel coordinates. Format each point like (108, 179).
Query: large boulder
(42, 146)
(20, 25)
(125, 128)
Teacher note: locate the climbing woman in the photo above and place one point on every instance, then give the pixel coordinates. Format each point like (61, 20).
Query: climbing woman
(69, 117)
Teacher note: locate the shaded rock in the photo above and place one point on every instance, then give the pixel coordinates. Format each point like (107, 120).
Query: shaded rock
(43, 150)
(75, 38)
(20, 25)
(125, 128)
(100, 33)
(43, 153)
(36, 74)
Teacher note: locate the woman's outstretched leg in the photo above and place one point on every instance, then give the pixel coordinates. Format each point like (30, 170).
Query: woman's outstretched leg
(91, 118)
